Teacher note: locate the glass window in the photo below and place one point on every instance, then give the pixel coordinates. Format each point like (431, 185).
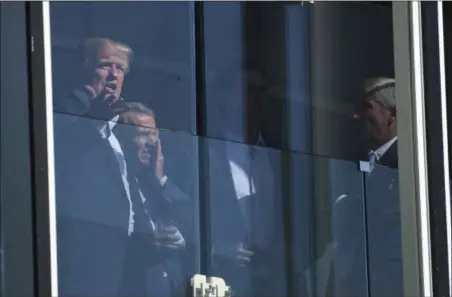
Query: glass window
(159, 49)
(281, 73)
(293, 189)
(125, 151)
(296, 96)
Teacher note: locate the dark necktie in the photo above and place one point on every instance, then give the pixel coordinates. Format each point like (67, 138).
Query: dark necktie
(141, 218)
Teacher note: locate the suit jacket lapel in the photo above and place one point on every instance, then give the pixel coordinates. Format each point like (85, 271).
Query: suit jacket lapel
(93, 143)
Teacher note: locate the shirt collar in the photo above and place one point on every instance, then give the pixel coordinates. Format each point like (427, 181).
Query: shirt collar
(383, 149)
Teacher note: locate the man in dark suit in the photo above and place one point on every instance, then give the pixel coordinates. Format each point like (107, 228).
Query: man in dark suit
(98, 213)
(367, 257)
(142, 145)
(168, 210)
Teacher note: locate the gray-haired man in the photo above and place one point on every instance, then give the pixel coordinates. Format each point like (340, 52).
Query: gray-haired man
(377, 114)
(367, 257)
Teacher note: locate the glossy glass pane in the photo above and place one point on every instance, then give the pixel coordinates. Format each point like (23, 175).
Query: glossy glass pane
(126, 185)
(285, 208)
(344, 256)
(159, 37)
(126, 208)
(280, 223)
(293, 72)
(384, 232)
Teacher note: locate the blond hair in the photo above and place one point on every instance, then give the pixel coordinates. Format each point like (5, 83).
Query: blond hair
(92, 46)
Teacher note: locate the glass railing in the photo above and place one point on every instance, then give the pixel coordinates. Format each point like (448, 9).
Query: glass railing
(269, 222)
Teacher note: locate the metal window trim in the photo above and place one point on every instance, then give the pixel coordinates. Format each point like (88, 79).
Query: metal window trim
(17, 228)
(445, 133)
(41, 127)
(50, 146)
(412, 149)
(437, 145)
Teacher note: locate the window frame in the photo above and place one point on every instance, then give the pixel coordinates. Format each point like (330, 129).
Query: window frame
(437, 144)
(24, 218)
(412, 149)
(38, 273)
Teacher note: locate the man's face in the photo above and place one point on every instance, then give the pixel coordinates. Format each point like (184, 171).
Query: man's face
(108, 71)
(144, 138)
(374, 121)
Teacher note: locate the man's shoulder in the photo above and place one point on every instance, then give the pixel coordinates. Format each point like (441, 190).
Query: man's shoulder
(70, 127)
(74, 138)
(75, 102)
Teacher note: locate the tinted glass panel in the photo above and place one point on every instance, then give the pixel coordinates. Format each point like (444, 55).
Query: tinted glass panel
(246, 219)
(285, 224)
(126, 220)
(158, 34)
(126, 179)
(384, 232)
(294, 83)
(296, 95)
(293, 72)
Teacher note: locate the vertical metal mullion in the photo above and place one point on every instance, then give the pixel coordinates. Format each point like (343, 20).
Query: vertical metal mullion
(411, 149)
(42, 151)
(444, 112)
(203, 151)
(18, 258)
(366, 233)
(437, 145)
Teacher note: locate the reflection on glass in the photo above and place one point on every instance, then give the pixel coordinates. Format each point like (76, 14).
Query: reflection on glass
(377, 122)
(284, 221)
(125, 225)
(282, 80)
(280, 68)
(125, 189)
(238, 96)
(247, 227)
(384, 232)
(261, 212)
(161, 69)
(345, 256)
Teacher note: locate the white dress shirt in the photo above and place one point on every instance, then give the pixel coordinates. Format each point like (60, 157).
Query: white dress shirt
(383, 149)
(119, 154)
(241, 166)
(253, 176)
